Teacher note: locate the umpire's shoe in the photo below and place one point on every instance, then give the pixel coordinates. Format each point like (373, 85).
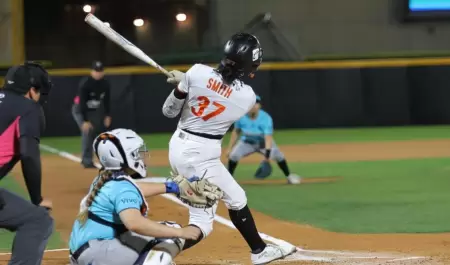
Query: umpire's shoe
(272, 253)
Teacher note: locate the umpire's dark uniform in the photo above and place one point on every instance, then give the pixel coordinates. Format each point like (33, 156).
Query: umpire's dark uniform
(21, 124)
(93, 90)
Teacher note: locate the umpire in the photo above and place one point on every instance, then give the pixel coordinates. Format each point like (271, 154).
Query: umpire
(87, 111)
(21, 123)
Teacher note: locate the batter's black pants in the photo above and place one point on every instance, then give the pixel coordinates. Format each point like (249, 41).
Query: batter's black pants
(32, 225)
(87, 139)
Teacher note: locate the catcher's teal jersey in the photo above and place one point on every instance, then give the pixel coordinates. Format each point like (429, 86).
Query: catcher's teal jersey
(113, 197)
(255, 130)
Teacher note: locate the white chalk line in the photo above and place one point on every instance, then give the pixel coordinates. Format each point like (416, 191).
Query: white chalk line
(47, 250)
(298, 256)
(408, 258)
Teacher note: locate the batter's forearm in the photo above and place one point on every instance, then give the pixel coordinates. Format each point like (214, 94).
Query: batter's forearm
(172, 106)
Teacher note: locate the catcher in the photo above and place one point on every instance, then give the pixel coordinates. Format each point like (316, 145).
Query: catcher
(257, 130)
(112, 228)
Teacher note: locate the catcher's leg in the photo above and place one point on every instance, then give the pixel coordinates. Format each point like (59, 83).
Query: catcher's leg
(240, 150)
(129, 249)
(161, 251)
(104, 252)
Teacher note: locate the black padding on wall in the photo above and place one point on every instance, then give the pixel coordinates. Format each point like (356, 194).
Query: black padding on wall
(295, 99)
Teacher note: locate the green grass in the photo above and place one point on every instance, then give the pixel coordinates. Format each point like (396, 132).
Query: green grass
(6, 237)
(307, 136)
(403, 196)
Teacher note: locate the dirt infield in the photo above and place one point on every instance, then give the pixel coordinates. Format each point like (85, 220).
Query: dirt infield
(66, 182)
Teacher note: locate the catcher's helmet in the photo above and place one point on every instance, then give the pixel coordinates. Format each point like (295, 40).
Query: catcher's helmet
(121, 148)
(242, 56)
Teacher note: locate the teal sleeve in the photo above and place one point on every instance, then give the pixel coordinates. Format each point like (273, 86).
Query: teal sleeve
(126, 200)
(237, 125)
(268, 126)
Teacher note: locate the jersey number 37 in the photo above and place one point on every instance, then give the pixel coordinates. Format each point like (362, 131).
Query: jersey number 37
(203, 103)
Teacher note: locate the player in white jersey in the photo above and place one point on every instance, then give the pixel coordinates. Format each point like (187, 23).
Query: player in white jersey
(210, 101)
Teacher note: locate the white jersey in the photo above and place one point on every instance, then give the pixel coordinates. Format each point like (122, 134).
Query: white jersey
(211, 106)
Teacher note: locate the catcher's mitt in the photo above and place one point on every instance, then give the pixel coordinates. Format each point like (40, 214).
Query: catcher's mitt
(264, 170)
(198, 193)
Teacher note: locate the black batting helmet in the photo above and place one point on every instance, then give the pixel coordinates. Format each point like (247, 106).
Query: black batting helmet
(242, 56)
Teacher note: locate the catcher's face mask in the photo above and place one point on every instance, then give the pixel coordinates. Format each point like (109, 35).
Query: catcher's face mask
(138, 157)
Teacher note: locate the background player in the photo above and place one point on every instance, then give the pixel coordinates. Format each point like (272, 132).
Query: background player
(210, 101)
(22, 122)
(115, 205)
(257, 137)
(87, 111)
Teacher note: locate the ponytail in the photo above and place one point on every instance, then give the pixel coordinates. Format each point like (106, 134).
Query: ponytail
(104, 177)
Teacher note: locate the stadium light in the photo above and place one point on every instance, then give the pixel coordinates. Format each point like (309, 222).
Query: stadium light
(87, 8)
(138, 22)
(181, 17)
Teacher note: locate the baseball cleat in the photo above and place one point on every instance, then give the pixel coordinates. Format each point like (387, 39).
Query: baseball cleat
(272, 253)
(294, 179)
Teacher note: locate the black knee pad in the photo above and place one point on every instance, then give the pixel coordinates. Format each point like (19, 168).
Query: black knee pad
(190, 243)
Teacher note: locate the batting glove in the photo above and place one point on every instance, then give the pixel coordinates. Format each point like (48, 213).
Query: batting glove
(176, 77)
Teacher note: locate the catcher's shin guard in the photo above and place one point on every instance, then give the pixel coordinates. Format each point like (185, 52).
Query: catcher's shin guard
(163, 250)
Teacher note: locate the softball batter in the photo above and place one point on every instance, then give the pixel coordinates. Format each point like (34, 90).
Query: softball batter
(257, 129)
(209, 100)
(112, 228)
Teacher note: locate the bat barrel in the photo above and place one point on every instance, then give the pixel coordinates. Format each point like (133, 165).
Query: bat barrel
(111, 34)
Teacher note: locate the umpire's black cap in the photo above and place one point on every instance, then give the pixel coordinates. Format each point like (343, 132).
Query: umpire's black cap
(97, 66)
(23, 77)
